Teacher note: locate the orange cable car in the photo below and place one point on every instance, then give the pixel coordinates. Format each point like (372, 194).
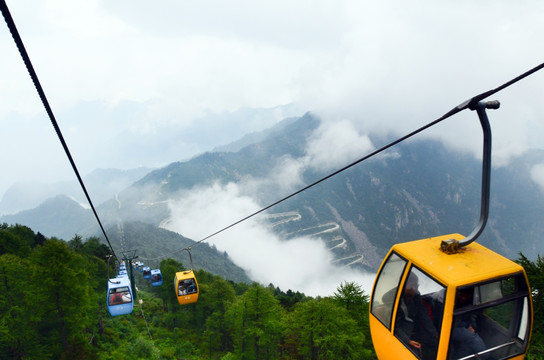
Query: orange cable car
(185, 285)
(475, 304)
(448, 297)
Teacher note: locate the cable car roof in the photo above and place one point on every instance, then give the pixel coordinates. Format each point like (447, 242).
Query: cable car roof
(474, 263)
(119, 281)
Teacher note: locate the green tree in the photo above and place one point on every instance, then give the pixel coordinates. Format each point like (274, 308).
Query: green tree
(65, 295)
(288, 299)
(216, 295)
(256, 324)
(19, 315)
(16, 240)
(94, 247)
(76, 243)
(321, 329)
(166, 292)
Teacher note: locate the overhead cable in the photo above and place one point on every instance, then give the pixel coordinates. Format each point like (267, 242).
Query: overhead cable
(469, 104)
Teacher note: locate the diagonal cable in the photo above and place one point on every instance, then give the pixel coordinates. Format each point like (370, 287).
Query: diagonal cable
(469, 104)
(36, 81)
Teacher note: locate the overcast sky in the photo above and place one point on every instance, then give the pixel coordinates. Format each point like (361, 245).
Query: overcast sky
(123, 76)
(135, 83)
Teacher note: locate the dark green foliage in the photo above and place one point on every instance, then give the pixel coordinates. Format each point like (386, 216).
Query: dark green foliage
(535, 273)
(18, 325)
(65, 295)
(52, 306)
(290, 298)
(16, 240)
(319, 329)
(256, 324)
(48, 299)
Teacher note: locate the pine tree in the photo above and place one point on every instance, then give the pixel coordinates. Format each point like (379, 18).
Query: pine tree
(19, 313)
(65, 294)
(256, 318)
(321, 329)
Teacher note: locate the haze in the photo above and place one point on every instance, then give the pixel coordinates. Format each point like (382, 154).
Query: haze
(133, 83)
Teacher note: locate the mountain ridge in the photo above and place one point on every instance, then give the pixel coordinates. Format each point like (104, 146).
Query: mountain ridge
(415, 190)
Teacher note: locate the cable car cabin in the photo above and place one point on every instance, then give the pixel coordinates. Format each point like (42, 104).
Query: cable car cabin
(146, 272)
(156, 277)
(427, 304)
(186, 287)
(119, 298)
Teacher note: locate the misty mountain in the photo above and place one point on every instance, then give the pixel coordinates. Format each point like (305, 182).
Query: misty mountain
(414, 190)
(254, 137)
(152, 244)
(417, 189)
(103, 184)
(59, 216)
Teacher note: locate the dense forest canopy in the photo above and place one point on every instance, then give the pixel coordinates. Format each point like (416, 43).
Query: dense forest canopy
(53, 306)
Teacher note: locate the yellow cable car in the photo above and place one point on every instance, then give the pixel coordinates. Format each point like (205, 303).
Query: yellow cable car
(448, 297)
(185, 284)
(186, 287)
(428, 304)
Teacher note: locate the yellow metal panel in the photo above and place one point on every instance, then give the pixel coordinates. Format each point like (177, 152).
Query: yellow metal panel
(387, 346)
(472, 264)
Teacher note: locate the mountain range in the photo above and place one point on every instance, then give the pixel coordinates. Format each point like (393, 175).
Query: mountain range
(414, 190)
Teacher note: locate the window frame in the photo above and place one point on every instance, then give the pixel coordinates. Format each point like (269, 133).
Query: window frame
(374, 305)
(521, 314)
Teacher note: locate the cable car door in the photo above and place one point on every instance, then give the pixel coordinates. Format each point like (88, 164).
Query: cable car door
(406, 311)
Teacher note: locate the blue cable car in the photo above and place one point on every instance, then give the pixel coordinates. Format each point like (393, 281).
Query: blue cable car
(146, 272)
(119, 297)
(156, 277)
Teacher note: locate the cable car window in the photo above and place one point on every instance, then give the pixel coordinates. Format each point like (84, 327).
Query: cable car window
(120, 295)
(186, 287)
(523, 326)
(385, 290)
(490, 292)
(491, 320)
(419, 314)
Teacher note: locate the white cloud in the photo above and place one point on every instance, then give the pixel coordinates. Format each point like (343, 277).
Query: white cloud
(385, 67)
(537, 174)
(300, 264)
(336, 144)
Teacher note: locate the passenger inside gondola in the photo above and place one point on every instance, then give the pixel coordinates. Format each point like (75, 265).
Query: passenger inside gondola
(191, 286)
(465, 337)
(181, 288)
(414, 325)
(186, 287)
(119, 296)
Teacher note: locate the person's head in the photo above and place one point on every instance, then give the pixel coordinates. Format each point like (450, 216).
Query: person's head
(464, 297)
(412, 285)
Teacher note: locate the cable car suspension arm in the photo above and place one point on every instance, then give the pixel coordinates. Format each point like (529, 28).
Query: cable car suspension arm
(452, 246)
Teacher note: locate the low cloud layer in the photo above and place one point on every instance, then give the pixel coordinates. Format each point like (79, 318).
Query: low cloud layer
(299, 264)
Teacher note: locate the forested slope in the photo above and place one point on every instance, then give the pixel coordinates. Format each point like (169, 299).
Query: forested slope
(53, 306)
